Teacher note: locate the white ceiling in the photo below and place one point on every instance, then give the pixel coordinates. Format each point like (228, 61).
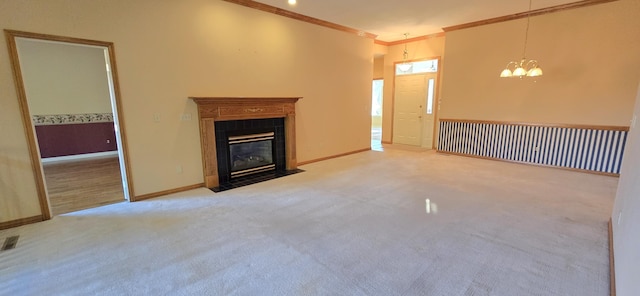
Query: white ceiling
(391, 19)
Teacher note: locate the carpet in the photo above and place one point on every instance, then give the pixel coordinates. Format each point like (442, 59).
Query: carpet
(374, 223)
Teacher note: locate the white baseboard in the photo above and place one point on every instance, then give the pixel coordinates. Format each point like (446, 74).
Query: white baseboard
(80, 157)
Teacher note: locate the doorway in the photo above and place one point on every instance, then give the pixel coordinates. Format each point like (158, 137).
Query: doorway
(414, 107)
(376, 114)
(69, 94)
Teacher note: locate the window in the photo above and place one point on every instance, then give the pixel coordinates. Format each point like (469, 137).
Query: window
(428, 66)
(430, 87)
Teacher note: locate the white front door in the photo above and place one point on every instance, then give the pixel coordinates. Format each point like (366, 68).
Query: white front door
(409, 98)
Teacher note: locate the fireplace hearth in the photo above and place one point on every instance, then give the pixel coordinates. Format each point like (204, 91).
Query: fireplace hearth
(246, 140)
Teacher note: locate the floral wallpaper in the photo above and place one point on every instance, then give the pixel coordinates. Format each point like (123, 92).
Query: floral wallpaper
(71, 118)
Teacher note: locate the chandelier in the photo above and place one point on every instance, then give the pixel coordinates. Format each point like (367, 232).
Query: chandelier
(405, 66)
(524, 67)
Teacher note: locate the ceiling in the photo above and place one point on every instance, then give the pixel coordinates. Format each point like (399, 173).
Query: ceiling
(390, 20)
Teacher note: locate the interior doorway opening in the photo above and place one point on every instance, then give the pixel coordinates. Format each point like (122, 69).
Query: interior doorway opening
(376, 114)
(68, 95)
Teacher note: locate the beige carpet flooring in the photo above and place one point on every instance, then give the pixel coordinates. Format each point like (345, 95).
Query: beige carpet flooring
(355, 225)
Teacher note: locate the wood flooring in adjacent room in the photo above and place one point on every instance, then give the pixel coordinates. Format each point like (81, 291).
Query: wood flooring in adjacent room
(83, 184)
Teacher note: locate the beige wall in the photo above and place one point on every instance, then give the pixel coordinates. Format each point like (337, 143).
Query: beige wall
(169, 50)
(64, 79)
(590, 57)
(627, 207)
(380, 50)
(378, 67)
(418, 50)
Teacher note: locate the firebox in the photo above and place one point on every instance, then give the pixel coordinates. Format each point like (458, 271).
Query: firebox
(251, 154)
(247, 148)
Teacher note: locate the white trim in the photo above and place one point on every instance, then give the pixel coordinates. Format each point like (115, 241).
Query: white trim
(116, 123)
(80, 157)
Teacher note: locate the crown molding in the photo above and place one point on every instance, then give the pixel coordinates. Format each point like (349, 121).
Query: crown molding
(525, 14)
(300, 17)
(414, 39)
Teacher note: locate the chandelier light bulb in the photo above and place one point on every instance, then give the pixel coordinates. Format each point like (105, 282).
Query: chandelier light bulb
(534, 72)
(404, 67)
(506, 73)
(519, 72)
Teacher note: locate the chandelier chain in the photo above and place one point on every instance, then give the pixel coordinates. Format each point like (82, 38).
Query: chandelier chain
(526, 32)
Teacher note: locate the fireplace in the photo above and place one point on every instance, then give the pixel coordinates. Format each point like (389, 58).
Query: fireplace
(249, 147)
(244, 138)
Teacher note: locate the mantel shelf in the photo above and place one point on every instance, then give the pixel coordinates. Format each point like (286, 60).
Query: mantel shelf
(235, 100)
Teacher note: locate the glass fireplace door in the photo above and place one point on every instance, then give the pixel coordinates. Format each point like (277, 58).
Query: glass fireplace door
(251, 154)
